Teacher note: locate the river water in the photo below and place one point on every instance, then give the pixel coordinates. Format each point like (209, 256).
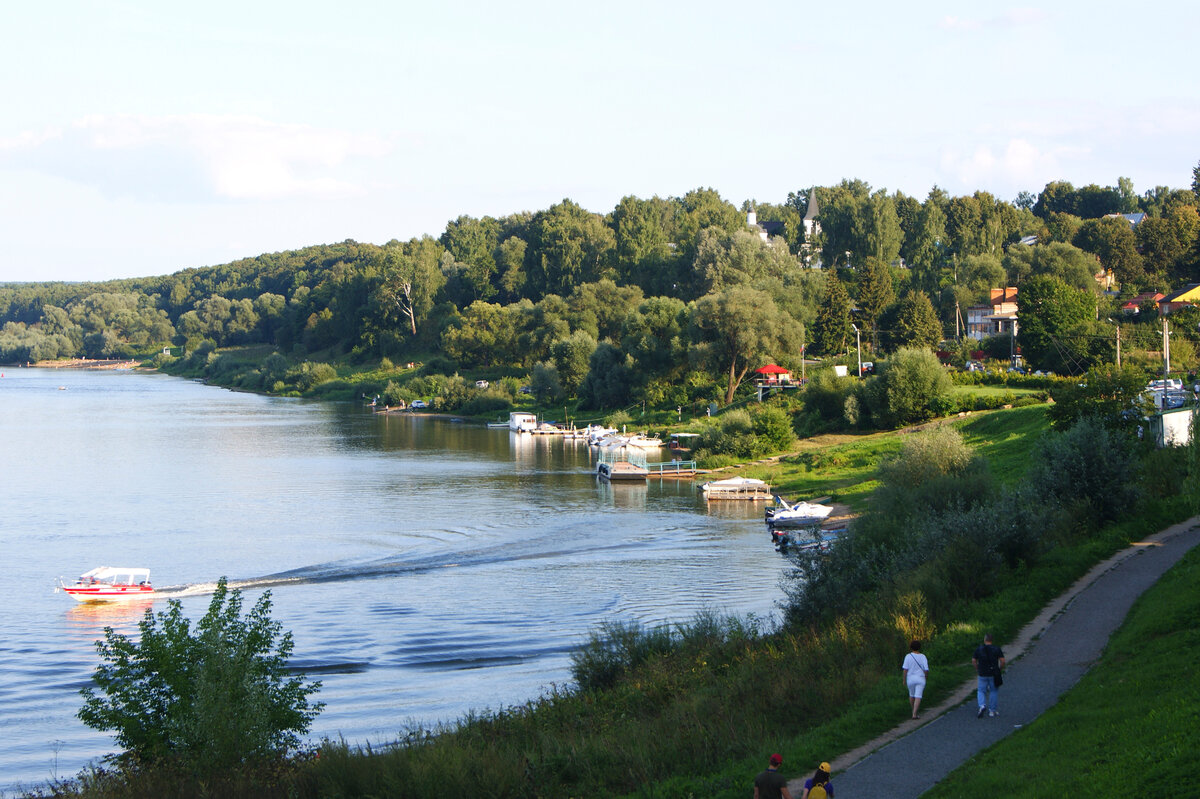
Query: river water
(425, 567)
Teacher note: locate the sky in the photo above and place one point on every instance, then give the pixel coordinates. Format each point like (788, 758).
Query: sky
(141, 138)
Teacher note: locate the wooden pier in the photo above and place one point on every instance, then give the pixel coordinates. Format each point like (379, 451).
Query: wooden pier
(668, 469)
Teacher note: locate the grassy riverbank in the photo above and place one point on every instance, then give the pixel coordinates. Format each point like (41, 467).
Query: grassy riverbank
(694, 710)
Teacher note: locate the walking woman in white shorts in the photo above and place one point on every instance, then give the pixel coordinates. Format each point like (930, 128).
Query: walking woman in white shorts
(916, 668)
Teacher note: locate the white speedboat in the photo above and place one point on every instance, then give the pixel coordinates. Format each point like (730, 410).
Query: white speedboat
(799, 514)
(109, 584)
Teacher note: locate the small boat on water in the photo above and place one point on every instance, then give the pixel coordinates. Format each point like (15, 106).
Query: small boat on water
(800, 540)
(737, 488)
(109, 584)
(798, 514)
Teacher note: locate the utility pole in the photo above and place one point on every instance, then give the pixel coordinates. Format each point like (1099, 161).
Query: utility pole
(1166, 350)
(1118, 346)
(803, 354)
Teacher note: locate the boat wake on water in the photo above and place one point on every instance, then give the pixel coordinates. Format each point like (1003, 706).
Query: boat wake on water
(392, 567)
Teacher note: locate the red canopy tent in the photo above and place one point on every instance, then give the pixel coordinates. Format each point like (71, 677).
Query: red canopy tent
(774, 373)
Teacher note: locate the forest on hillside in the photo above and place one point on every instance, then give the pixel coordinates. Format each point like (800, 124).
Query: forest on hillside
(664, 299)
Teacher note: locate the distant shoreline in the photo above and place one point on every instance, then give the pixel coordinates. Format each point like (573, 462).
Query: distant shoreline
(86, 363)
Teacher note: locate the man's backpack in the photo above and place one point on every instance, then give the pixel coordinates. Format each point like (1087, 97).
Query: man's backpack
(817, 792)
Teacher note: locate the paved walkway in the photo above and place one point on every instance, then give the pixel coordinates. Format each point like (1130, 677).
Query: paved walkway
(1047, 658)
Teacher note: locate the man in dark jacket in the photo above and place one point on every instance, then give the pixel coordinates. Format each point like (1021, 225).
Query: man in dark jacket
(770, 784)
(988, 661)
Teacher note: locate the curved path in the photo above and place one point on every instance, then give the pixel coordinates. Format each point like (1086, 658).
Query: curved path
(1047, 658)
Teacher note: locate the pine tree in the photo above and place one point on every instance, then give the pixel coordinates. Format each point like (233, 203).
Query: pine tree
(831, 330)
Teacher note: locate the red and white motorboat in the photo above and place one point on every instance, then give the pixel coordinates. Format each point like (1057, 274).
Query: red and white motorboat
(110, 584)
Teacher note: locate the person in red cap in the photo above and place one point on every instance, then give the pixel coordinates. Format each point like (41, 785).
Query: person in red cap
(771, 784)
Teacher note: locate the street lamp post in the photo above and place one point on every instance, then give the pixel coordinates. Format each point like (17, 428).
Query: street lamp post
(858, 347)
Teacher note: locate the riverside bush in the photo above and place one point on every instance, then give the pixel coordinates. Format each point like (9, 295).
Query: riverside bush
(204, 703)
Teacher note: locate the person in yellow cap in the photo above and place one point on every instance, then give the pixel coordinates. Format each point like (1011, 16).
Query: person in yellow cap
(818, 786)
(770, 784)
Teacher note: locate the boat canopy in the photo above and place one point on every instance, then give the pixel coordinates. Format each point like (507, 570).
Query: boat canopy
(117, 575)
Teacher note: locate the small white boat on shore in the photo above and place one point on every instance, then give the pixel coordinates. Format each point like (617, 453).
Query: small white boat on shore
(798, 514)
(737, 488)
(109, 584)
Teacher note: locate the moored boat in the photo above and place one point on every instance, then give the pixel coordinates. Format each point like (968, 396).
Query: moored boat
(798, 514)
(737, 488)
(109, 584)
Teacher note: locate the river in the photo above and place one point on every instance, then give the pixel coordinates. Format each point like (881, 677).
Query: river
(425, 567)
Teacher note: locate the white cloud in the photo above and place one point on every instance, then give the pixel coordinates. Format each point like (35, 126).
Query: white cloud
(1014, 164)
(197, 157)
(1012, 18)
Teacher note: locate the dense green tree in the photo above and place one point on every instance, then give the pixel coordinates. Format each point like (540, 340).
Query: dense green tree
(1067, 262)
(653, 335)
(927, 256)
(644, 253)
(484, 336)
(1059, 227)
(1057, 197)
(1168, 245)
(572, 356)
(1093, 202)
(1055, 325)
(1088, 464)
(832, 329)
(538, 326)
(1112, 240)
(567, 246)
(723, 261)
(545, 384)
(1115, 396)
(912, 322)
(610, 378)
(600, 308)
(1128, 201)
(699, 210)
(908, 212)
(737, 330)
(411, 276)
(473, 244)
(877, 229)
(875, 292)
(841, 207)
(964, 226)
(510, 266)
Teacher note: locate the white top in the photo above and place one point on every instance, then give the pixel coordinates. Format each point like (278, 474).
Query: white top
(915, 660)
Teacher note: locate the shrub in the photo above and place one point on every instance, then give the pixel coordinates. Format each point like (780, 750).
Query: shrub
(827, 393)
(773, 428)
(487, 401)
(1088, 463)
(205, 702)
(308, 375)
(911, 382)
